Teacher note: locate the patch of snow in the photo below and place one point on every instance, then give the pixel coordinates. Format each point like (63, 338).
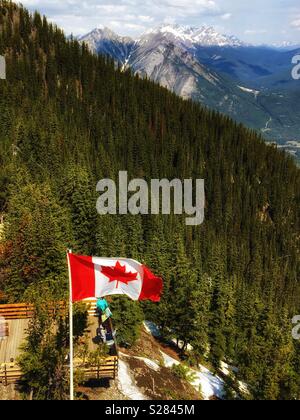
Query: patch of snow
(126, 384)
(152, 328)
(264, 130)
(169, 362)
(127, 60)
(227, 369)
(150, 363)
(243, 387)
(247, 90)
(285, 45)
(181, 343)
(209, 384)
(294, 144)
(216, 57)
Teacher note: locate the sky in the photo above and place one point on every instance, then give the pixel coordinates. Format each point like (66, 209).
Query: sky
(255, 21)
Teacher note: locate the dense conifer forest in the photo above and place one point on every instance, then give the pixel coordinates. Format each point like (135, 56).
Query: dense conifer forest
(68, 119)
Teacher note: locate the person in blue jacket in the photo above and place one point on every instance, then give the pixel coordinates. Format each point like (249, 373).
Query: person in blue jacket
(102, 305)
(105, 328)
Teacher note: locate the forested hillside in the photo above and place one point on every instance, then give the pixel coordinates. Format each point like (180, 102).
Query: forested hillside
(68, 119)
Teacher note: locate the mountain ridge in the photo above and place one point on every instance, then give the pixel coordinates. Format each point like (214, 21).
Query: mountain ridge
(251, 84)
(204, 35)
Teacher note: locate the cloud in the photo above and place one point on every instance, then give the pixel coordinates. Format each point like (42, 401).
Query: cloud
(296, 23)
(132, 17)
(226, 16)
(255, 31)
(80, 16)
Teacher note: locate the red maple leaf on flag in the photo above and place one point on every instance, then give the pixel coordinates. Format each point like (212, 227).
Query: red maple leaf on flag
(118, 274)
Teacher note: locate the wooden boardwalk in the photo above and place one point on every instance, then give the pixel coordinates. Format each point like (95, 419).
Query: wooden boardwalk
(16, 319)
(10, 346)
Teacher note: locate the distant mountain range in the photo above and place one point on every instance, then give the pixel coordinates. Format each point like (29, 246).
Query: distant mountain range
(252, 84)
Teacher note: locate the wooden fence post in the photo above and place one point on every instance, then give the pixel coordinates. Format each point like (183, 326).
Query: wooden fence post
(5, 376)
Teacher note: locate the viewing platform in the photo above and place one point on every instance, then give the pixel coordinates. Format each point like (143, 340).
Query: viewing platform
(14, 324)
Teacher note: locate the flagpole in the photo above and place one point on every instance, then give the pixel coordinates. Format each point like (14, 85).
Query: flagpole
(71, 330)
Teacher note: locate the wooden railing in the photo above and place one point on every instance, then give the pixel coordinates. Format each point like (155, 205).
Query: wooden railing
(16, 311)
(25, 311)
(12, 374)
(108, 369)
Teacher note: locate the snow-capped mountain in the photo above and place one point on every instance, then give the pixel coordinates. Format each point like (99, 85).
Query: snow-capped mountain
(251, 84)
(205, 36)
(108, 42)
(98, 35)
(208, 36)
(161, 52)
(286, 45)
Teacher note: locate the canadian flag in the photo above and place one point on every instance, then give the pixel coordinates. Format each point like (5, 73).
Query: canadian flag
(98, 277)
